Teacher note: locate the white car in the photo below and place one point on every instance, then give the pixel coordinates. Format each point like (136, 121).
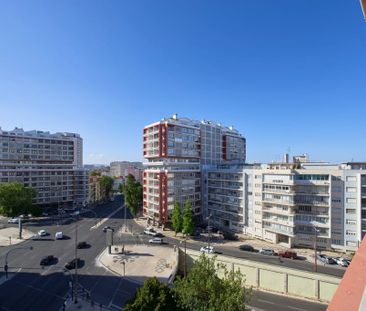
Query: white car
(59, 235)
(150, 231)
(341, 261)
(42, 232)
(207, 249)
(267, 251)
(156, 241)
(13, 220)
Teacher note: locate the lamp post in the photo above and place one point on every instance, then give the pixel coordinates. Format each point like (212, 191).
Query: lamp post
(6, 258)
(76, 262)
(315, 246)
(209, 229)
(125, 210)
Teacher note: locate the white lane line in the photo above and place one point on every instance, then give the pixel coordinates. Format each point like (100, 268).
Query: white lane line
(266, 301)
(295, 308)
(105, 219)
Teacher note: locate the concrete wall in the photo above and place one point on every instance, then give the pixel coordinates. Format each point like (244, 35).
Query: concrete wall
(274, 278)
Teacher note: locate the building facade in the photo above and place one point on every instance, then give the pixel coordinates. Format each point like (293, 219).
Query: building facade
(290, 203)
(177, 150)
(50, 163)
(123, 168)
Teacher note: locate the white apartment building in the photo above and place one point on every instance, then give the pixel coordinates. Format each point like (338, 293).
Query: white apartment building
(50, 163)
(123, 168)
(288, 203)
(176, 150)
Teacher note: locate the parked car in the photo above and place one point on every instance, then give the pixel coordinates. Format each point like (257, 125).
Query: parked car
(156, 241)
(341, 261)
(106, 228)
(326, 259)
(59, 235)
(81, 245)
(13, 220)
(73, 263)
(42, 232)
(247, 248)
(287, 254)
(47, 260)
(207, 249)
(267, 251)
(151, 231)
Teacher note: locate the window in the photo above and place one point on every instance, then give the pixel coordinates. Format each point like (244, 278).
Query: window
(351, 243)
(351, 189)
(351, 178)
(350, 222)
(350, 211)
(350, 232)
(351, 200)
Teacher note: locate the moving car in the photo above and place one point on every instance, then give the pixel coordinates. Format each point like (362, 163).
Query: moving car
(81, 245)
(13, 220)
(267, 251)
(156, 241)
(47, 260)
(73, 263)
(207, 249)
(42, 232)
(106, 228)
(287, 254)
(247, 248)
(59, 235)
(151, 231)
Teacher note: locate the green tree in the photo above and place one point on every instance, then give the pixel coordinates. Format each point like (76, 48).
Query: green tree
(106, 183)
(95, 173)
(15, 199)
(132, 191)
(188, 223)
(204, 290)
(154, 296)
(177, 221)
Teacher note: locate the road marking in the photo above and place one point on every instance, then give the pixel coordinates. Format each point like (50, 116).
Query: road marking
(266, 301)
(295, 308)
(105, 219)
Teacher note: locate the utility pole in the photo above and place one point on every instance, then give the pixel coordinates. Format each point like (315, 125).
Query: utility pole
(315, 247)
(76, 263)
(185, 255)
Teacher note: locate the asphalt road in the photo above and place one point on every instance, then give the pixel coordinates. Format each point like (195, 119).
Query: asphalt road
(34, 288)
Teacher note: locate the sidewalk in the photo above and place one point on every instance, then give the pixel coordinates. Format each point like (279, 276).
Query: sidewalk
(10, 236)
(216, 239)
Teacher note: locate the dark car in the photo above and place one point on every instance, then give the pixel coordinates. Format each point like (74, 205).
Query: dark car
(82, 245)
(106, 228)
(73, 263)
(47, 260)
(247, 248)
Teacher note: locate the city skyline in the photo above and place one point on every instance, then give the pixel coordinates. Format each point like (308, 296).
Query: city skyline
(289, 80)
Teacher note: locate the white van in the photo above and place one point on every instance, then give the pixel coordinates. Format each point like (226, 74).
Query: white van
(59, 235)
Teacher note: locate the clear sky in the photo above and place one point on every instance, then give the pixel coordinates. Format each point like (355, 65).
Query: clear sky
(290, 75)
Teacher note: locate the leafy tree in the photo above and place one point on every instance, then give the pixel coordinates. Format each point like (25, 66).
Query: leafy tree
(177, 221)
(203, 290)
(16, 199)
(188, 223)
(95, 173)
(106, 184)
(132, 191)
(154, 296)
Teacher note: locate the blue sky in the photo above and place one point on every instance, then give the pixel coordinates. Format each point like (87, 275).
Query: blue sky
(289, 75)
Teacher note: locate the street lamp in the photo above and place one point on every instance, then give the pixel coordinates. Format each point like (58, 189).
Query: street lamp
(185, 254)
(316, 231)
(6, 258)
(209, 229)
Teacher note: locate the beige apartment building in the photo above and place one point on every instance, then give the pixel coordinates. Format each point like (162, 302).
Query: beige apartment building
(50, 163)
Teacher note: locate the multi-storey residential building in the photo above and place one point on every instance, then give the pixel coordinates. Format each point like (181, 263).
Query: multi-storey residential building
(177, 150)
(290, 203)
(50, 163)
(123, 168)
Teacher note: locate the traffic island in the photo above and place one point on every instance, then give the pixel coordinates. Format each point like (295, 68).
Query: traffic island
(10, 236)
(140, 262)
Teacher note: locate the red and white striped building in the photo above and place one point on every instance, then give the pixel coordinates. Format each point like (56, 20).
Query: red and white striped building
(176, 152)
